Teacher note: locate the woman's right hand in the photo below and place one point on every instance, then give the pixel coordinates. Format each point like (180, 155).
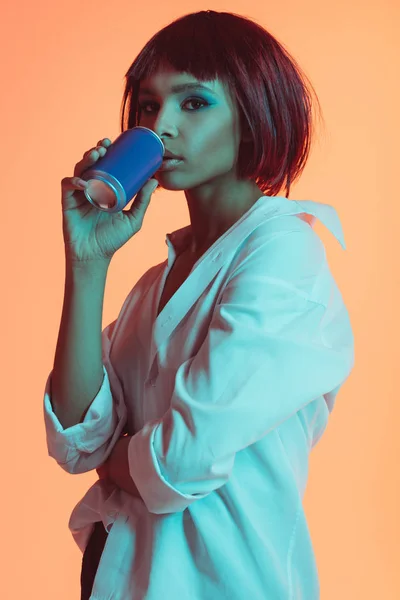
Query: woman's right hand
(91, 234)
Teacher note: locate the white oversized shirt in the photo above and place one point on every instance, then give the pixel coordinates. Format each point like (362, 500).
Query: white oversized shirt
(225, 394)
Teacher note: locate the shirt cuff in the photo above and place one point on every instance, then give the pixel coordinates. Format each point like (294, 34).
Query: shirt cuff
(159, 496)
(83, 446)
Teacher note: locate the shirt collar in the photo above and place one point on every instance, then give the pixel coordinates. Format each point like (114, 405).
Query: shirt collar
(307, 210)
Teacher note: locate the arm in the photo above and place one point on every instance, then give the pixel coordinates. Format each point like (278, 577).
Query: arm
(78, 370)
(116, 468)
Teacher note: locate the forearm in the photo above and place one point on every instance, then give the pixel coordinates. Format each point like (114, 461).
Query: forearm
(78, 370)
(118, 467)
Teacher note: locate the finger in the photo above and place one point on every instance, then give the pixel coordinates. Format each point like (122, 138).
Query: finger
(92, 155)
(89, 158)
(94, 152)
(140, 204)
(69, 185)
(104, 142)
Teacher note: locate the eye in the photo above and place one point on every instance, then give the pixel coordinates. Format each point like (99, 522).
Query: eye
(189, 100)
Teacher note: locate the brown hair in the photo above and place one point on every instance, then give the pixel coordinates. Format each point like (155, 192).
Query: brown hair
(269, 86)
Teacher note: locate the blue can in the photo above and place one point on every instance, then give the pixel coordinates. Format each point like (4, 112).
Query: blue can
(118, 176)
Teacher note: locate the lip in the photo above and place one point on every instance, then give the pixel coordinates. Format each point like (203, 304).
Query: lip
(170, 163)
(168, 154)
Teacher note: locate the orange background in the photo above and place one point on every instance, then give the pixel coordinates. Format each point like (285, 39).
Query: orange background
(62, 76)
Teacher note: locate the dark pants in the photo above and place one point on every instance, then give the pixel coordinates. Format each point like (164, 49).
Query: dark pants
(91, 558)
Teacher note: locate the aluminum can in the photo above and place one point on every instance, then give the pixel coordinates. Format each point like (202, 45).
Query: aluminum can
(130, 161)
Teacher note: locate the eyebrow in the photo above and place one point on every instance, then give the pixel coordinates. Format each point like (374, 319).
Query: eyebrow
(180, 88)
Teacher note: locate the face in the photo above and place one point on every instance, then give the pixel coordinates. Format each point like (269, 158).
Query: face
(200, 125)
(203, 127)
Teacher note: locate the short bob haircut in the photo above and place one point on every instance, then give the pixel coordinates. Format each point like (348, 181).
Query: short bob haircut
(269, 86)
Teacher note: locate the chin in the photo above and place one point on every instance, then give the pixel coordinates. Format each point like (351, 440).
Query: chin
(167, 185)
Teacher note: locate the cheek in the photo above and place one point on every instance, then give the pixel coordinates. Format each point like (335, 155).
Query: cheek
(220, 155)
(216, 146)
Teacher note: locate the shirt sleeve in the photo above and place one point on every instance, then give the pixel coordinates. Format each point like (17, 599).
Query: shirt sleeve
(269, 351)
(86, 445)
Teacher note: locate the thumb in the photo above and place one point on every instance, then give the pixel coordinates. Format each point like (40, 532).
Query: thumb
(141, 202)
(153, 185)
(147, 190)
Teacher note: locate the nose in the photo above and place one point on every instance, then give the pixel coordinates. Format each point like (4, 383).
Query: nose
(163, 123)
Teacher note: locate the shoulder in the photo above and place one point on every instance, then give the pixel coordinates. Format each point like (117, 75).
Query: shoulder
(286, 238)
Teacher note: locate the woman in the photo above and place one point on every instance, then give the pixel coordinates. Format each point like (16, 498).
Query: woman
(225, 361)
